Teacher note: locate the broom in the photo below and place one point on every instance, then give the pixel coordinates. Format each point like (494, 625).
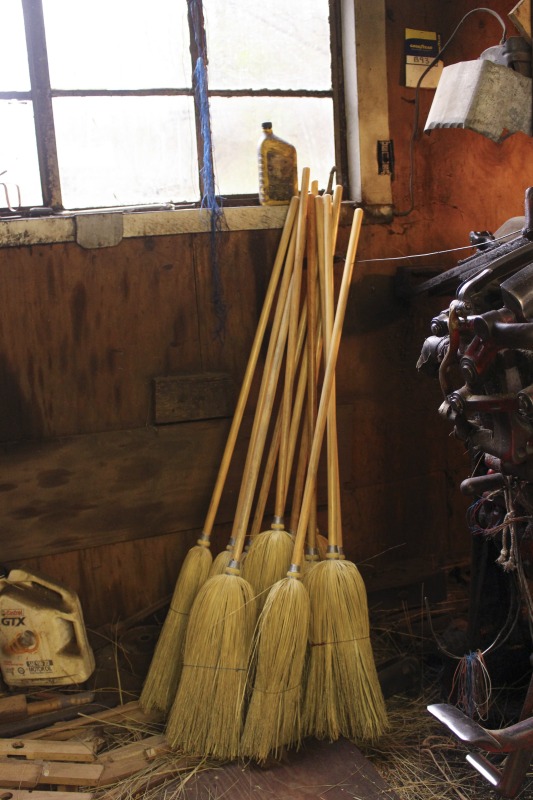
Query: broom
(207, 714)
(343, 696)
(273, 720)
(161, 682)
(269, 554)
(314, 344)
(222, 560)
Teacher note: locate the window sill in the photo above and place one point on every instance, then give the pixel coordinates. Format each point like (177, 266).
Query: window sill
(108, 228)
(15, 232)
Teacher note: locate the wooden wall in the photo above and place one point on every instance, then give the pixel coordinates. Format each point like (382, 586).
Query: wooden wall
(95, 494)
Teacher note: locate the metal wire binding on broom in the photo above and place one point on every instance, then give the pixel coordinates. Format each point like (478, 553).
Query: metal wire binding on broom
(210, 199)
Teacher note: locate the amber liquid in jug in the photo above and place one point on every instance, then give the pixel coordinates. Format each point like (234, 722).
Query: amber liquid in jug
(278, 174)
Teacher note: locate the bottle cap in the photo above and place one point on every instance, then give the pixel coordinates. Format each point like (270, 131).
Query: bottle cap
(266, 125)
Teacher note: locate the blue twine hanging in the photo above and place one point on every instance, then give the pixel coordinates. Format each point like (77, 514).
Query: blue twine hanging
(471, 682)
(210, 199)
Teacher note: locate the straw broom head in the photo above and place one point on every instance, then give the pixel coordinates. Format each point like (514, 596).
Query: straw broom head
(220, 563)
(267, 560)
(343, 695)
(163, 675)
(207, 715)
(273, 718)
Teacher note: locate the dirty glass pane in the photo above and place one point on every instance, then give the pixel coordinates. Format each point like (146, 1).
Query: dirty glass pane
(126, 150)
(14, 75)
(117, 44)
(279, 44)
(307, 123)
(18, 155)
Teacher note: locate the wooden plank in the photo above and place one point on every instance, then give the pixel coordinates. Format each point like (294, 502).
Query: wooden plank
(14, 232)
(22, 794)
(29, 774)
(319, 771)
(147, 748)
(372, 99)
(91, 330)
(520, 16)
(91, 490)
(129, 714)
(184, 398)
(48, 750)
(115, 771)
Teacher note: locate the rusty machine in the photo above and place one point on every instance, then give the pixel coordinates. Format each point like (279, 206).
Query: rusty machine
(481, 351)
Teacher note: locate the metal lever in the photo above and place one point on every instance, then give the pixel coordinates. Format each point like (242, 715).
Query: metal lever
(517, 740)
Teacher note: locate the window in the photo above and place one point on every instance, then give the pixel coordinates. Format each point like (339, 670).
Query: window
(99, 107)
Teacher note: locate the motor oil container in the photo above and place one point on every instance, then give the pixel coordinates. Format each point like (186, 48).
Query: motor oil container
(43, 641)
(278, 173)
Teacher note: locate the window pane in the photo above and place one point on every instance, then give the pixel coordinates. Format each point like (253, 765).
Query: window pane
(117, 44)
(18, 154)
(269, 47)
(126, 150)
(307, 123)
(14, 75)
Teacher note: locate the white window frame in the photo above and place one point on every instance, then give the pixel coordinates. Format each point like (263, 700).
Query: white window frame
(365, 100)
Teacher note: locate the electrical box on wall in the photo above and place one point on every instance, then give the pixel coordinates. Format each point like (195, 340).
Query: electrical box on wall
(421, 47)
(385, 157)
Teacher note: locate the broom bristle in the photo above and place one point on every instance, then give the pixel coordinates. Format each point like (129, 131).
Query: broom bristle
(163, 675)
(207, 715)
(343, 694)
(309, 562)
(273, 720)
(267, 561)
(220, 563)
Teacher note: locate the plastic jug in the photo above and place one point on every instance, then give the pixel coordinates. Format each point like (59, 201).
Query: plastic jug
(278, 173)
(43, 641)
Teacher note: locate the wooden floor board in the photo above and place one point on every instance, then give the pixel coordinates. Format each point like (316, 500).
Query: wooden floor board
(318, 771)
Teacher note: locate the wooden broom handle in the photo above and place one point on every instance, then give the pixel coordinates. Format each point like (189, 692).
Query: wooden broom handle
(335, 217)
(312, 333)
(257, 442)
(274, 333)
(250, 369)
(332, 472)
(301, 391)
(274, 449)
(326, 390)
(288, 411)
(301, 236)
(301, 469)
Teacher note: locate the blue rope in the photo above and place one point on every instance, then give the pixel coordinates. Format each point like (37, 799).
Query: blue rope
(210, 200)
(470, 683)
